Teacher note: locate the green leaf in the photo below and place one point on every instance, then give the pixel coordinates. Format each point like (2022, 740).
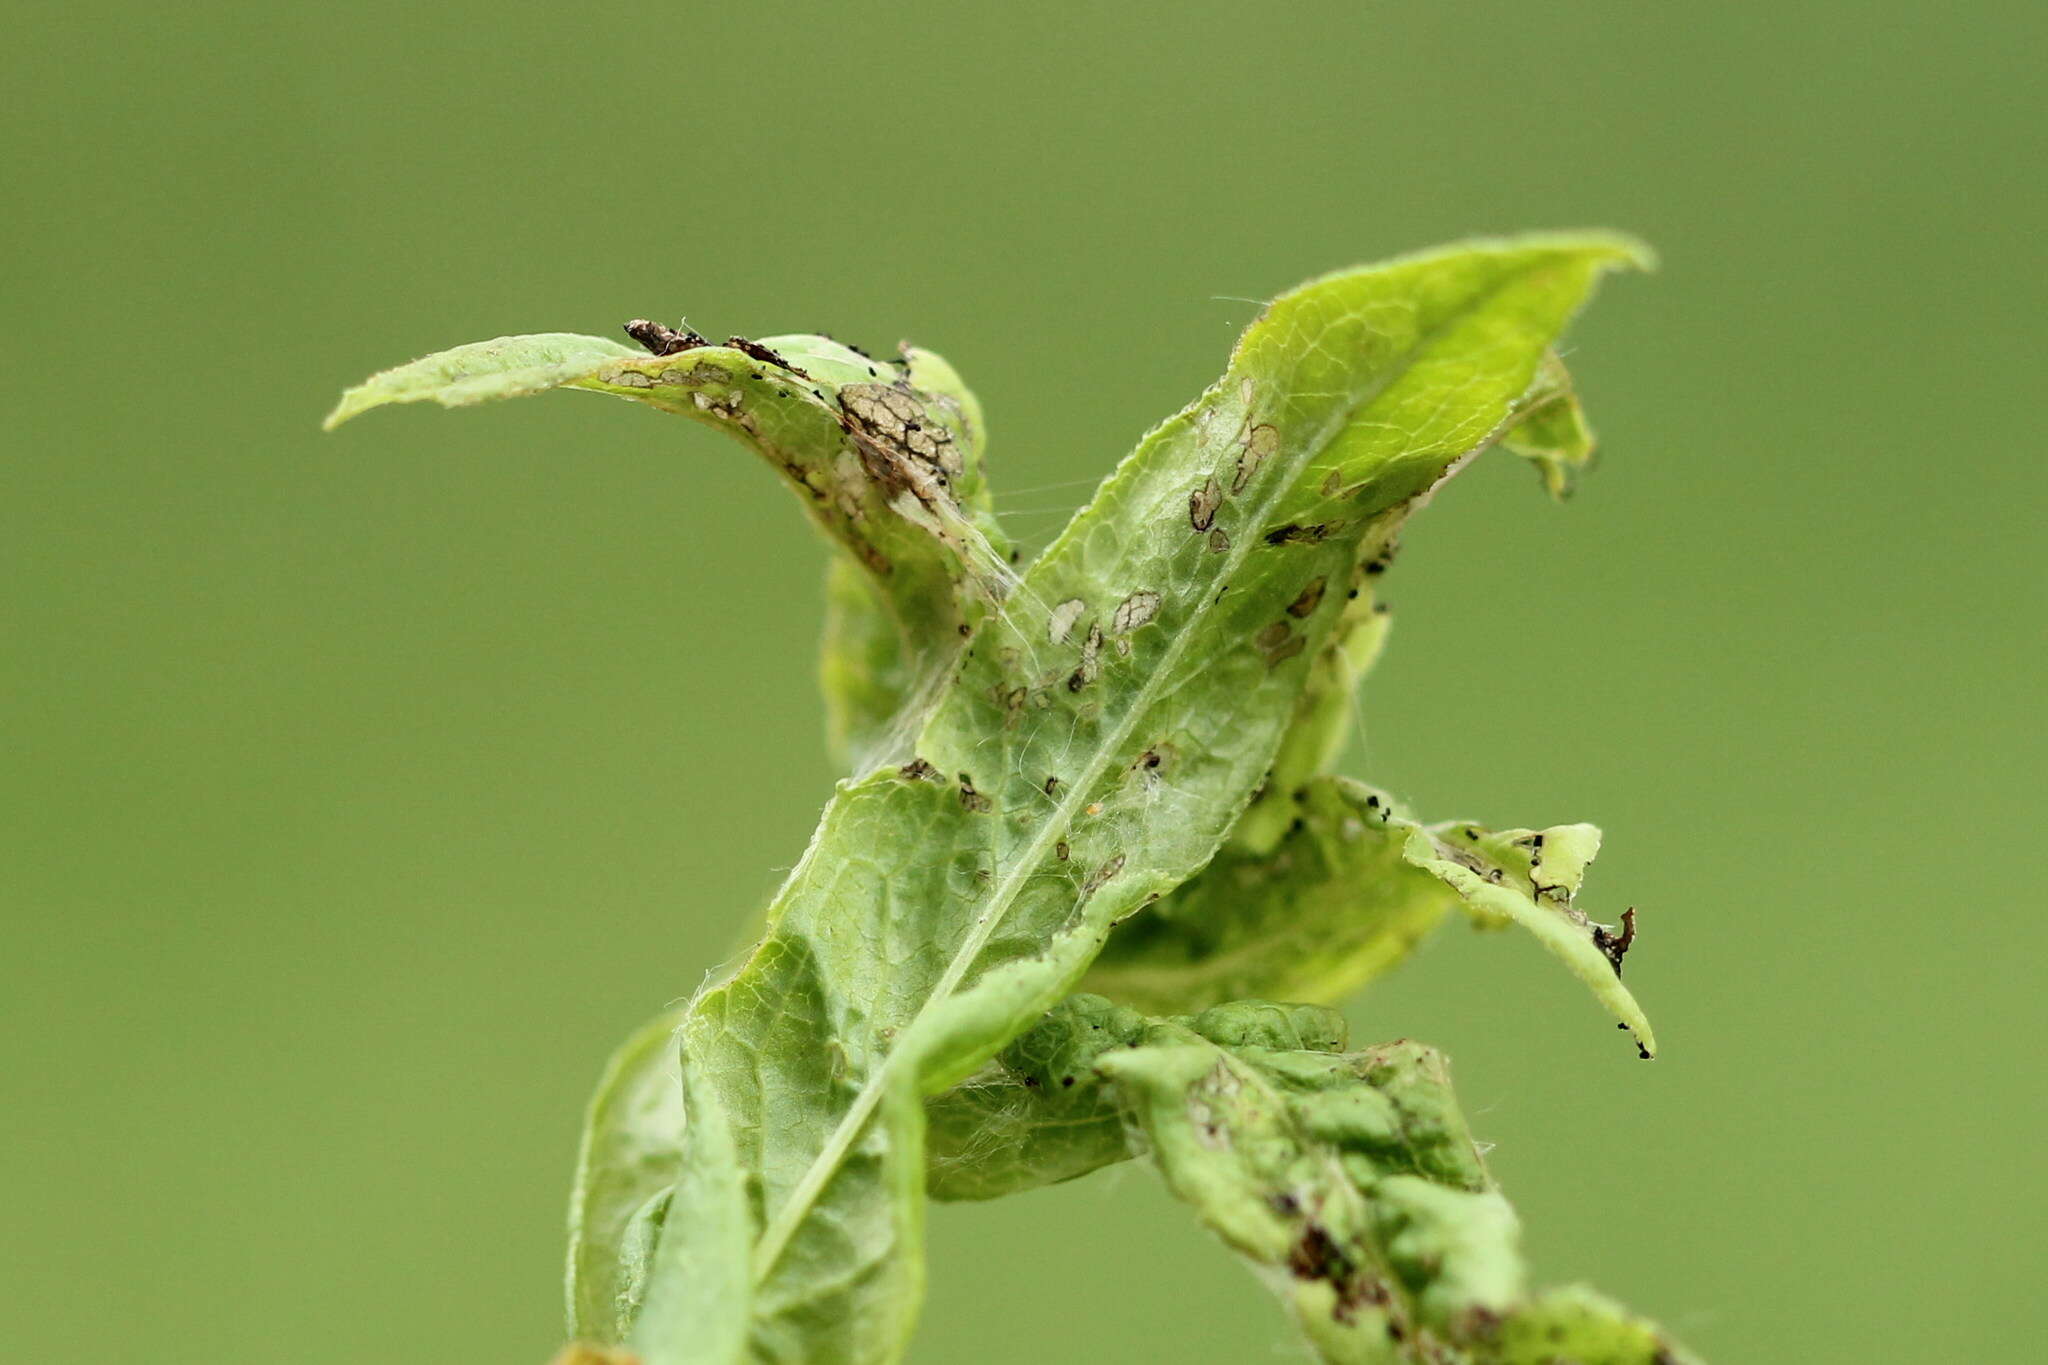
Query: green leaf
(1324, 713)
(1335, 905)
(1037, 1114)
(1350, 1184)
(1347, 895)
(889, 469)
(1293, 911)
(1572, 1323)
(1552, 431)
(1040, 1113)
(1531, 878)
(632, 1138)
(505, 367)
(694, 1300)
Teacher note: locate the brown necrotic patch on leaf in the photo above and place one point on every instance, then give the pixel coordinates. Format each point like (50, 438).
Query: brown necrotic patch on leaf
(701, 374)
(1279, 643)
(1219, 541)
(1134, 611)
(1101, 875)
(1059, 625)
(1090, 667)
(895, 420)
(1309, 598)
(1012, 700)
(1202, 504)
(1259, 444)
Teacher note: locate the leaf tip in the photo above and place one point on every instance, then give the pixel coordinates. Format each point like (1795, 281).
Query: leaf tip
(347, 406)
(1618, 250)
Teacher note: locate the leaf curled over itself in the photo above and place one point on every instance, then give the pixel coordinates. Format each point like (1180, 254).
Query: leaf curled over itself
(885, 457)
(1351, 889)
(1552, 432)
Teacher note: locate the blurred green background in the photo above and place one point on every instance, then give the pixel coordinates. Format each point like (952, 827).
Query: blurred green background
(362, 790)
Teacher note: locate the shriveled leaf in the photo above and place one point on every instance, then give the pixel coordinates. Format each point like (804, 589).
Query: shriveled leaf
(1040, 1113)
(1346, 896)
(1350, 1184)
(1531, 878)
(1552, 432)
(1572, 1323)
(1334, 905)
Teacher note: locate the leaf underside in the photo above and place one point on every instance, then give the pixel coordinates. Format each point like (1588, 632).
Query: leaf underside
(1137, 726)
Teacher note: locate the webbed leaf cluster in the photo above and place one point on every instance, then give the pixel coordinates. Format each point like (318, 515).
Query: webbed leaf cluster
(1109, 766)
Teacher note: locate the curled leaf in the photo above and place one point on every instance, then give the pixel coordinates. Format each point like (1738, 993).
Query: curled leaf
(1345, 897)
(632, 1141)
(1351, 1186)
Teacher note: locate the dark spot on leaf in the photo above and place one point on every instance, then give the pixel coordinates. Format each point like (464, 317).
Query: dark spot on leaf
(1293, 533)
(1305, 603)
(1101, 875)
